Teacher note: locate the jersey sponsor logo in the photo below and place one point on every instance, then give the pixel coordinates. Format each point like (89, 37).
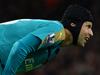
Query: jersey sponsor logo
(28, 64)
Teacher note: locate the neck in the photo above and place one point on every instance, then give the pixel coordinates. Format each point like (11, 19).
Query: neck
(68, 38)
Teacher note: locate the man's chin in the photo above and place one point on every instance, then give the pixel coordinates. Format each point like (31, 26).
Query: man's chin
(81, 45)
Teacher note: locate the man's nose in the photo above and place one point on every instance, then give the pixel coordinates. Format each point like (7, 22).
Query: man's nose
(91, 32)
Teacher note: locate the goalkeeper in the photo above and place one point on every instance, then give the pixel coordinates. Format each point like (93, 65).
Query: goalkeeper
(26, 44)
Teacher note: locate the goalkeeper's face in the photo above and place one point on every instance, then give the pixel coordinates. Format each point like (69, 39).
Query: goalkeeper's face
(85, 33)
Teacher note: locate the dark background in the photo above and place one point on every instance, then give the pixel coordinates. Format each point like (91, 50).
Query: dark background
(71, 60)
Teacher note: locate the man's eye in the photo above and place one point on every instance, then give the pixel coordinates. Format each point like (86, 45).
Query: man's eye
(89, 26)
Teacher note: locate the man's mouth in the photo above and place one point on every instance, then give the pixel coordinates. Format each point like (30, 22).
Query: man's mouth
(86, 38)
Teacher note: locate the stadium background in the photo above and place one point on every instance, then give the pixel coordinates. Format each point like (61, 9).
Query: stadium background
(71, 60)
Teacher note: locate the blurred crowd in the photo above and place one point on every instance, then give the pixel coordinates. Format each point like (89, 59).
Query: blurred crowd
(71, 60)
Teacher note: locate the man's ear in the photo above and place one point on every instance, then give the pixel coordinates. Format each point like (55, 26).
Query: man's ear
(72, 24)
